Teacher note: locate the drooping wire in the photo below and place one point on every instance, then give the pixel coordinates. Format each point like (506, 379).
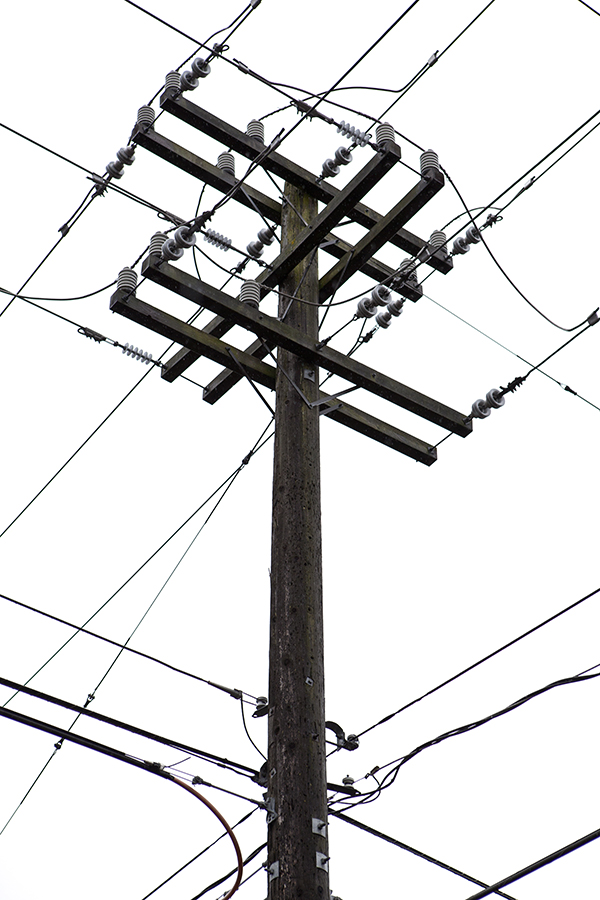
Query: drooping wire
(258, 750)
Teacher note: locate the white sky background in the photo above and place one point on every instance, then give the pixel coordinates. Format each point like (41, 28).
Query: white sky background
(426, 569)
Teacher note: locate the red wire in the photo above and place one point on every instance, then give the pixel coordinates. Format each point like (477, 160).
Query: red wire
(227, 828)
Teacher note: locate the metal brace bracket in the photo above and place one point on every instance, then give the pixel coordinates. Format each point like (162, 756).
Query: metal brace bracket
(273, 870)
(319, 827)
(322, 861)
(270, 808)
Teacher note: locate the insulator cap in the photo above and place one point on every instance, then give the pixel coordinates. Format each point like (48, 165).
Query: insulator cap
(366, 308)
(254, 249)
(173, 81)
(342, 156)
(384, 319)
(256, 129)
(156, 243)
(226, 162)
(473, 235)
(429, 160)
(145, 117)
(188, 81)
(480, 410)
(330, 170)
(380, 295)
(115, 169)
(250, 293)
(494, 398)
(126, 155)
(171, 250)
(184, 237)
(266, 236)
(460, 246)
(385, 132)
(127, 280)
(200, 68)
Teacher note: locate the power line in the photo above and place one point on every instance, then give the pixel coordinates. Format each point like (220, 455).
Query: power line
(390, 840)
(233, 692)
(481, 661)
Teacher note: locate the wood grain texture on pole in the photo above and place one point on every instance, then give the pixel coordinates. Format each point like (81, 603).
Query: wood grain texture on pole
(297, 845)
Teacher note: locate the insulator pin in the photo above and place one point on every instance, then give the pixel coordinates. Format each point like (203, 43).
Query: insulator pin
(145, 117)
(384, 132)
(126, 155)
(219, 240)
(127, 280)
(429, 160)
(188, 81)
(266, 236)
(255, 249)
(156, 243)
(256, 129)
(361, 138)
(173, 81)
(137, 353)
(115, 169)
(460, 246)
(384, 319)
(250, 293)
(226, 162)
(200, 68)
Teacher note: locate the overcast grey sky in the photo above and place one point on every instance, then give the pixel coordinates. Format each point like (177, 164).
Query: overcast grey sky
(426, 570)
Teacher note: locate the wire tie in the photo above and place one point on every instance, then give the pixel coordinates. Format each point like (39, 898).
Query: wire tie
(64, 229)
(594, 317)
(94, 335)
(512, 386)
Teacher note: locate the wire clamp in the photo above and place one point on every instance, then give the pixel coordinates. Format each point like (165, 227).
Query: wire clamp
(343, 742)
(94, 335)
(593, 318)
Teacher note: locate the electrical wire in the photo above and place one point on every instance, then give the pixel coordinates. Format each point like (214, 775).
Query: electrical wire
(479, 662)
(390, 840)
(395, 765)
(233, 692)
(219, 881)
(258, 750)
(590, 7)
(197, 856)
(58, 299)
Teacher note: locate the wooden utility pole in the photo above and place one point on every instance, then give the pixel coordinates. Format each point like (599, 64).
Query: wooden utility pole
(297, 788)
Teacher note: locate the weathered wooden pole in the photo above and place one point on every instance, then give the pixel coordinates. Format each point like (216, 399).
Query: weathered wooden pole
(297, 841)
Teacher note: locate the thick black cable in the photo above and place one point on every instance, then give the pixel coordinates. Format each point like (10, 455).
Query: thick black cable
(482, 660)
(248, 735)
(232, 692)
(590, 7)
(57, 299)
(222, 762)
(219, 881)
(533, 867)
(390, 840)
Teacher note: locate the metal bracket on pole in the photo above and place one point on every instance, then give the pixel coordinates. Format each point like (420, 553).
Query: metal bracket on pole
(319, 827)
(270, 808)
(273, 870)
(322, 861)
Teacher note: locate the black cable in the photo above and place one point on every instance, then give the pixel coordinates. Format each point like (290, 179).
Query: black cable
(590, 7)
(198, 855)
(232, 692)
(508, 278)
(481, 661)
(390, 840)
(258, 750)
(390, 777)
(222, 762)
(57, 299)
(257, 446)
(219, 881)
(48, 150)
(533, 867)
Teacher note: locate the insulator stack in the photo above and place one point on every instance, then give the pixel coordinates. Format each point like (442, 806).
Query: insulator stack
(406, 271)
(219, 240)
(145, 117)
(331, 167)
(250, 293)
(188, 81)
(437, 240)
(256, 129)
(125, 157)
(494, 399)
(360, 138)
(173, 81)
(384, 132)
(127, 280)
(183, 238)
(394, 309)
(330, 170)
(264, 238)
(384, 319)
(366, 308)
(429, 160)
(156, 243)
(380, 295)
(136, 353)
(200, 68)
(226, 162)
(461, 244)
